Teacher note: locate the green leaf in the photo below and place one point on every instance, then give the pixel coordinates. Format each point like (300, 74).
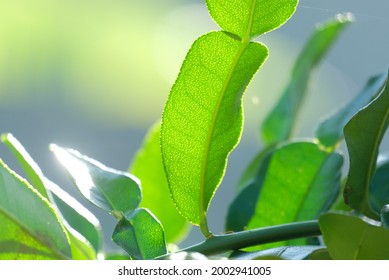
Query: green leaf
(244, 204)
(250, 174)
(351, 238)
(302, 181)
(279, 124)
(81, 248)
(250, 18)
(76, 215)
(330, 131)
(363, 134)
(32, 170)
(379, 187)
(30, 227)
(284, 252)
(202, 119)
(113, 191)
(147, 166)
(385, 216)
(141, 235)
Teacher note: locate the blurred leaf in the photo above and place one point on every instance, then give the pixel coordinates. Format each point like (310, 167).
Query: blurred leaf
(147, 166)
(244, 204)
(379, 187)
(141, 235)
(385, 216)
(180, 256)
(114, 191)
(30, 227)
(363, 134)
(250, 18)
(302, 182)
(76, 215)
(330, 131)
(116, 256)
(32, 170)
(251, 171)
(81, 248)
(202, 119)
(284, 252)
(351, 238)
(320, 254)
(279, 124)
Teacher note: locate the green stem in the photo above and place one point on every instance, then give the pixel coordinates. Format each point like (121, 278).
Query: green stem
(243, 239)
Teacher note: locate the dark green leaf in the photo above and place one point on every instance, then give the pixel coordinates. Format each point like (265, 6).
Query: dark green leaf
(202, 119)
(279, 124)
(284, 252)
(114, 191)
(141, 235)
(30, 227)
(250, 18)
(243, 206)
(379, 187)
(348, 237)
(363, 134)
(148, 167)
(76, 215)
(302, 181)
(330, 131)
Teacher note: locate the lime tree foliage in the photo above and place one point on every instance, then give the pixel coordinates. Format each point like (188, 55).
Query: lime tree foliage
(292, 201)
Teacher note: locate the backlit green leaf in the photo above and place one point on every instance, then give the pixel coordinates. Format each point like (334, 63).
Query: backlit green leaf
(279, 124)
(351, 238)
(302, 181)
(330, 130)
(30, 227)
(363, 134)
(141, 235)
(114, 191)
(148, 167)
(32, 170)
(202, 119)
(76, 215)
(250, 18)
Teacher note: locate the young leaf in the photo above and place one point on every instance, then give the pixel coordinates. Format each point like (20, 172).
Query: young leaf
(302, 181)
(148, 167)
(351, 238)
(81, 248)
(279, 124)
(363, 134)
(30, 227)
(141, 235)
(330, 130)
(379, 188)
(114, 191)
(284, 252)
(202, 119)
(250, 18)
(76, 215)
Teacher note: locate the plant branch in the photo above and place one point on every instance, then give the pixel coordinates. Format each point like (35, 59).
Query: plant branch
(243, 239)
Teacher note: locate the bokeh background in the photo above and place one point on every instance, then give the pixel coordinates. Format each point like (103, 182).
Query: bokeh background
(94, 76)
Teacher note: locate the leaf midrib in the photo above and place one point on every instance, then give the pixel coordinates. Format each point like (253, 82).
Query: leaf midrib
(245, 41)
